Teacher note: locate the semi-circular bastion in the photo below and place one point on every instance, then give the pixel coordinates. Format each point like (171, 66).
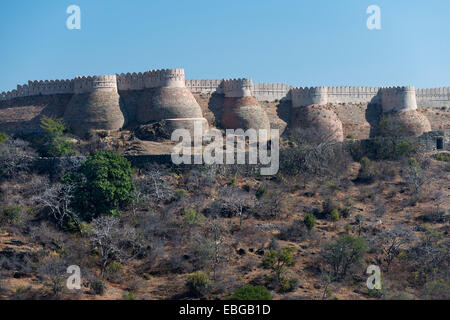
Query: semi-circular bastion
(134, 99)
(95, 105)
(311, 119)
(240, 109)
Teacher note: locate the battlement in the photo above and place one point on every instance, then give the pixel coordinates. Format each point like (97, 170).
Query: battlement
(302, 97)
(205, 86)
(164, 78)
(130, 81)
(237, 88)
(151, 79)
(95, 83)
(395, 99)
(398, 99)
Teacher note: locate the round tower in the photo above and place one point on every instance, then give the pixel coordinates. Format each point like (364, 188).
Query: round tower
(166, 97)
(311, 119)
(95, 105)
(400, 116)
(302, 97)
(240, 109)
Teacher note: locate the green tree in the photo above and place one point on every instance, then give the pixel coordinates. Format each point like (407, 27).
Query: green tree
(278, 260)
(310, 221)
(198, 283)
(55, 144)
(3, 137)
(249, 292)
(103, 184)
(343, 253)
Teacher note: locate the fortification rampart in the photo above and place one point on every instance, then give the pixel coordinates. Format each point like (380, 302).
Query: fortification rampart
(302, 97)
(425, 98)
(151, 79)
(398, 99)
(95, 83)
(237, 88)
(433, 98)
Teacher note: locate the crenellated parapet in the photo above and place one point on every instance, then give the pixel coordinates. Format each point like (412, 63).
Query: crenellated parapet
(94, 83)
(34, 88)
(164, 78)
(435, 98)
(130, 81)
(151, 79)
(396, 99)
(237, 88)
(302, 97)
(205, 86)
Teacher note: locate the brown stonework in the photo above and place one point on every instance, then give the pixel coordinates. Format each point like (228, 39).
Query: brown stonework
(316, 123)
(243, 113)
(99, 110)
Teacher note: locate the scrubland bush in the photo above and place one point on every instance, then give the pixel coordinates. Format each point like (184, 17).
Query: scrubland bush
(199, 284)
(342, 253)
(310, 221)
(249, 292)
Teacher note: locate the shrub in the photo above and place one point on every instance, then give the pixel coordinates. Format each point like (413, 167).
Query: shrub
(382, 149)
(350, 136)
(249, 292)
(16, 156)
(443, 157)
(334, 215)
(288, 284)
(103, 184)
(293, 232)
(193, 218)
(328, 206)
(310, 221)
(345, 211)
(54, 143)
(278, 260)
(3, 137)
(180, 194)
(129, 296)
(367, 171)
(198, 283)
(343, 253)
(113, 268)
(260, 192)
(98, 287)
(437, 290)
(12, 214)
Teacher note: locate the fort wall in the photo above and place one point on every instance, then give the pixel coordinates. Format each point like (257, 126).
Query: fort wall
(237, 88)
(425, 98)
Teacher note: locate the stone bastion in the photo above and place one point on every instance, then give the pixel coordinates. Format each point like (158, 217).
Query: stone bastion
(127, 100)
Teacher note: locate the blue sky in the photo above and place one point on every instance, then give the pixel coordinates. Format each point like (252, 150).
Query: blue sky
(301, 43)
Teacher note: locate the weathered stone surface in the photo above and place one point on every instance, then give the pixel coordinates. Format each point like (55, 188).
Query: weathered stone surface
(316, 123)
(243, 113)
(172, 103)
(97, 110)
(155, 131)
(404, 124)
(23, 115)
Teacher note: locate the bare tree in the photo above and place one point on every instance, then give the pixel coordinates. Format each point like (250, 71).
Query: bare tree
(54, 272)
(15, 156)
(153, 184)
(57, 199)
(416, 177)
(236, 200)
(212, 248)
(113, 241)
(393, 241)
